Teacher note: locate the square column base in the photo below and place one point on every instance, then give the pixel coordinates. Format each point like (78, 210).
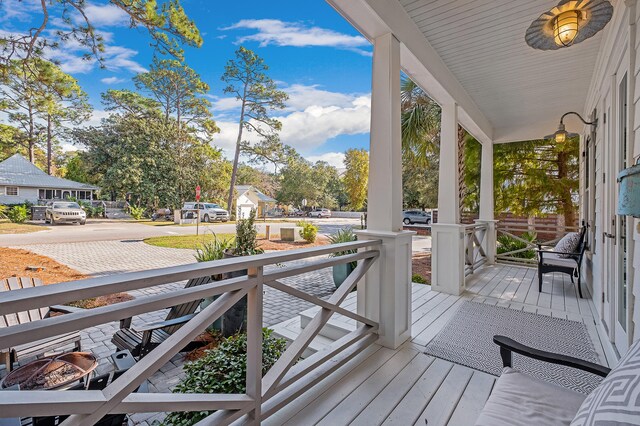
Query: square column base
(447, 258)
(385, 294)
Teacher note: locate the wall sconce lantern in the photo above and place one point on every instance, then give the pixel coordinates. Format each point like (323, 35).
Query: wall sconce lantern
(561, 135)
(570, 22)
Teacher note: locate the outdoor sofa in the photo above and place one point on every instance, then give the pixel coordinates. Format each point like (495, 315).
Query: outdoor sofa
(520, 400)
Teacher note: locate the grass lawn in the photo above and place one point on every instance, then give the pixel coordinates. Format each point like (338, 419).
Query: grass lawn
(184, 241)
(19, 228)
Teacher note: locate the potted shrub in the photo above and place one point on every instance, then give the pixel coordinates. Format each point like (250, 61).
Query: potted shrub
(342, 271)
(209, 251)
(246, 244)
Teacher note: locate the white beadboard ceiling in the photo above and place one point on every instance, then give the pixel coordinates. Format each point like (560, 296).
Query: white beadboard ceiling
(516, 87)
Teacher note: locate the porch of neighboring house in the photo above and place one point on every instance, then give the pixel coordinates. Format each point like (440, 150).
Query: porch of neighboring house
(405, 386)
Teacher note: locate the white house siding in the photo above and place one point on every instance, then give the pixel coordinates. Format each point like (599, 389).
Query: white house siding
(24, 194)
(620, 37)
(244, 206)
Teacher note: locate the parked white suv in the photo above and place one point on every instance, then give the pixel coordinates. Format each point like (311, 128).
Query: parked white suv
(64, 211)
(209, 212)
(320, 213)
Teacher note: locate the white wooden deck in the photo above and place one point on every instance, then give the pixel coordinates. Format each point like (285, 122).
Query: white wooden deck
(406, 386)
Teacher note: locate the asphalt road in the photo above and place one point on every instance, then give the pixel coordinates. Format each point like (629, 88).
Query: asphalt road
(110, 230)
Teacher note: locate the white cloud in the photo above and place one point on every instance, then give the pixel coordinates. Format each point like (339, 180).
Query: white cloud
(308, 129)
(96, 118)
(311, 124)
(281, 33)
(335, 159)
(112, 80)
(71, 59)
(223, 104)
(105, 15)
(10, 12)
(300, 97)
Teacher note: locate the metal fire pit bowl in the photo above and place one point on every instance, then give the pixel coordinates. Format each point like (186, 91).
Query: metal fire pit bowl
(51, 372)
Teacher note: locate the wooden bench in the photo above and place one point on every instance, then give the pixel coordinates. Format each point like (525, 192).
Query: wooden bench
(38, 347)
(140, 341)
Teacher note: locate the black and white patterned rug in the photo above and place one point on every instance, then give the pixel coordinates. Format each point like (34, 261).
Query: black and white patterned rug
(467, 339)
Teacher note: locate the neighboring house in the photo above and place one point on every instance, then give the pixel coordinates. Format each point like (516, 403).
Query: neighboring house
(22, 181)
(250, 198)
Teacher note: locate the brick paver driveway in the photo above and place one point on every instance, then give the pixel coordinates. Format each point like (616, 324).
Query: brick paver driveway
(113, 257)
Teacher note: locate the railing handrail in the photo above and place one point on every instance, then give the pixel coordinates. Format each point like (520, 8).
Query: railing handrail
(57, 294)
(478, 225)
(548, 228)
(86, 408)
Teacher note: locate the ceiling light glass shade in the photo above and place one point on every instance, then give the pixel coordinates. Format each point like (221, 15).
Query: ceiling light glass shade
(569, 23)
(565, 27)
(560, 136)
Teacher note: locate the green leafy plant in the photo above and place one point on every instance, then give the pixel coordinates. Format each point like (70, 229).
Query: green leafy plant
(247, 237)
(507, 244)
(213, 249)
(223, 370)
(3, 211)
(18, 214)
(301, 222)
(136, 212)
(344, 235)
(417, 278)
(309, 232)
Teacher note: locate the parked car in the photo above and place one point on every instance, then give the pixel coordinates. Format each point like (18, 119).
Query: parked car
(64, 212)
(410, 217)
(277, 212)
(320, 213)
(209, 212)
(297, 212)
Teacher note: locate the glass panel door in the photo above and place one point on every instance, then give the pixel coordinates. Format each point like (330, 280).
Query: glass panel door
(621, 227)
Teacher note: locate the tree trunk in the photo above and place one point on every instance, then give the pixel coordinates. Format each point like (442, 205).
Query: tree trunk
(567, 207)
(32, 142)
(462, 189)
(236, 157)
(49, 144)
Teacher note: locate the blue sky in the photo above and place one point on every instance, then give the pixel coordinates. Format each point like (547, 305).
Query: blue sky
(312, 52)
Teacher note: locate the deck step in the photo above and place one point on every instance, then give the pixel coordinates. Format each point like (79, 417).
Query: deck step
(290, 330)
(337, 327)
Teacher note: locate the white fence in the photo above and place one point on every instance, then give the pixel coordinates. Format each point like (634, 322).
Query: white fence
(288, 378)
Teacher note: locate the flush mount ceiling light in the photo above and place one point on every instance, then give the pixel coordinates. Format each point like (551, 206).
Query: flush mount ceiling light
(561, 135)
(570, 22)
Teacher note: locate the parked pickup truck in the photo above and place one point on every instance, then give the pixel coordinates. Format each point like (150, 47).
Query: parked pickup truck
(209, 212)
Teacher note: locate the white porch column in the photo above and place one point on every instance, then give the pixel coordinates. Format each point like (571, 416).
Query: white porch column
(487, 202)
(385, 294)
(447, 258)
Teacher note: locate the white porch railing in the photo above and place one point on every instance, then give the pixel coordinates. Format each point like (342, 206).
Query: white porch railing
(523, 251)
(474, 252)
(286, 380)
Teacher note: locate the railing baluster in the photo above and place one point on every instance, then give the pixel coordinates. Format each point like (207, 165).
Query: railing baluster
(254, 344)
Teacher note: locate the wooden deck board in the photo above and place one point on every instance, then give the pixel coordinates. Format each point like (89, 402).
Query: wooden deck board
(406, 386)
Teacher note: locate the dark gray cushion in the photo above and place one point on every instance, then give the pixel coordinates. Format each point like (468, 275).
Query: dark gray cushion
(568, 244)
